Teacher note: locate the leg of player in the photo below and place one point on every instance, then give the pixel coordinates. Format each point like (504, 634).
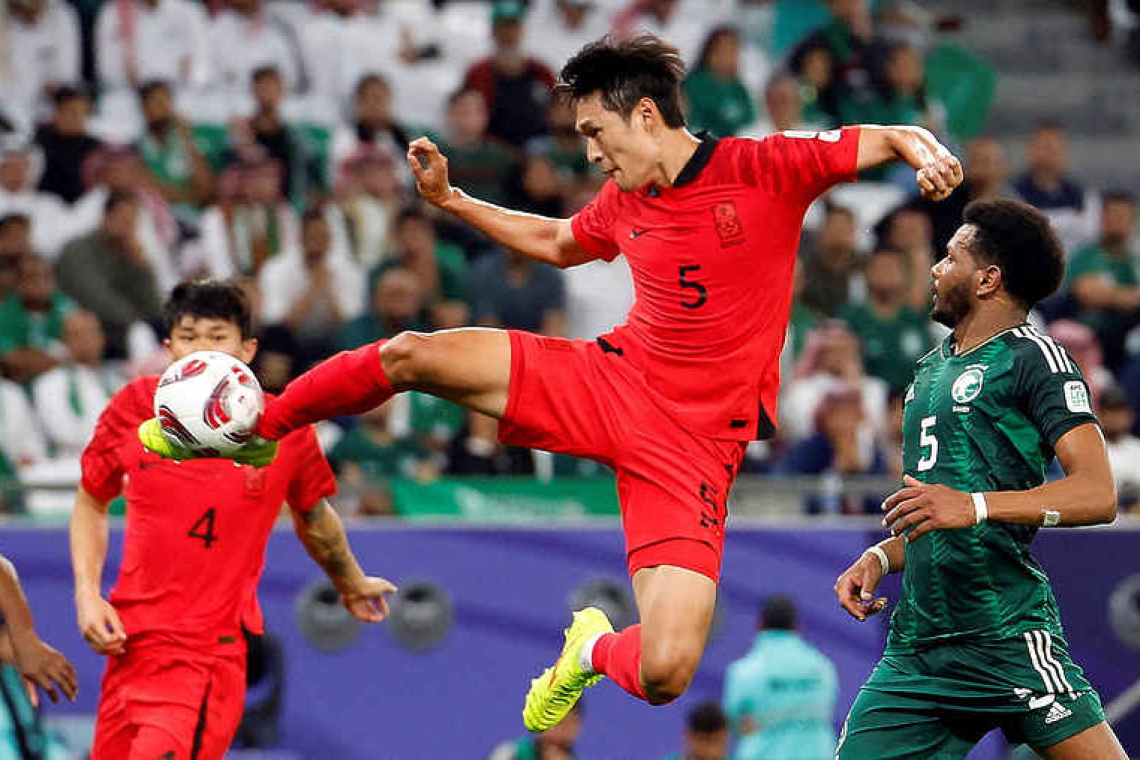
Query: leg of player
(1097, 741)
(470, 366)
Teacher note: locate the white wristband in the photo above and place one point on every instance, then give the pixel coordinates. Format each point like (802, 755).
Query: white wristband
(884, 560)
(981, 508)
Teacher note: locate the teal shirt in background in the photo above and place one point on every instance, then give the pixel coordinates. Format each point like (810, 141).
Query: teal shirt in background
(788, 689)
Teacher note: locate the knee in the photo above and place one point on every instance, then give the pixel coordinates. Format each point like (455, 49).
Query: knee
(406, 358)
(666, 673)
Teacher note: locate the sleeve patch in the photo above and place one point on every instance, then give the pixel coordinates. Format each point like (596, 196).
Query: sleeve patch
(1077, 397)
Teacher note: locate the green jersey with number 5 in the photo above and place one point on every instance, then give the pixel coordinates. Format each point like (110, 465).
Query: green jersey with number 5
(983, 420)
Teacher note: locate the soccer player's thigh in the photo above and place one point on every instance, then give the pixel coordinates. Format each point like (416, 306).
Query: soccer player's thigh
(676, 606)
(1097, 741)
(470, 366)
(888, 726)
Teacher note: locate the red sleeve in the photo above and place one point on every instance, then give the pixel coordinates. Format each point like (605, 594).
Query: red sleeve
(806, 163)
(101, 465)
(311, 479)
(593, 225)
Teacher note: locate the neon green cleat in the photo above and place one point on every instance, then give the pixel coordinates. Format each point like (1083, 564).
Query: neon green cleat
(556, 691)
(258, 452)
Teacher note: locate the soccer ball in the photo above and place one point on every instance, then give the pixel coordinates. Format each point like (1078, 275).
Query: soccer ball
(208, 402)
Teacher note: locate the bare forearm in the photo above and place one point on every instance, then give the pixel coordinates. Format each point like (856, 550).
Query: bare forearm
(322, 533)
(915, 145)
(531, 235)
(13, 603)
(1077, 499)
(88, 533)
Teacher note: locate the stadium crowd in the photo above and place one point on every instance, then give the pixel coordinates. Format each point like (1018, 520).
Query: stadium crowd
(147, 141)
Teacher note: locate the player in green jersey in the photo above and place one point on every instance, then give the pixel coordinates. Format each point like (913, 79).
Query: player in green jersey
(976, 640)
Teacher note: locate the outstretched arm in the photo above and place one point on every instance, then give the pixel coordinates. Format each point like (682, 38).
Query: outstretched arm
(855, 588)
(98, 622)
(322, 533)
(1085, 496)
(39, 663)
(537, 237)
(938, 171)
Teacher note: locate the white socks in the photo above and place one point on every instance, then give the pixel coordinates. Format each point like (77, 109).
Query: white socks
(586, 654)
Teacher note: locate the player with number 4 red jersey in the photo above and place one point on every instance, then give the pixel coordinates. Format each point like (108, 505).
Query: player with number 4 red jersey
(194, 549)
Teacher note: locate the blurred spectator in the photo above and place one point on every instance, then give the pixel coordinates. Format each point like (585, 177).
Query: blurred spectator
(554, 744)
(310, 291)
(802, 320)
(842, 445)
(564, 145)
(368, 456)
(892, 335)
(21, 443)
(515, 86)
(120, 170)
(178, 170)
(1116, 420)
(275, 364)
(891, 437)
(987, 176)
(32, 321)
(899, 96)
(20, 164)
(266, 130)
(836, 60)
(599, 295)
(718, 99)
(830, 262)
(439, 265)
(508, 290)
(830, 362)
(397, 305)
(780, 697)
(681, 22)
(706, 734)
(1103, 280)
(368, 199)
(783, 109)
(15, 244)
(537, 186)
(69, 399)
(138, 41)
(1047, 185)
(908, 229)
(39, 52)
(244, 38)
(560, 28)
(66, 144)
(373, 123)
(107, 272)
(251, 223)
(476, 162)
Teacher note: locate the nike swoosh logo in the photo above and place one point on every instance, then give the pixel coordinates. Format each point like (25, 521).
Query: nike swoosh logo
(635, 234)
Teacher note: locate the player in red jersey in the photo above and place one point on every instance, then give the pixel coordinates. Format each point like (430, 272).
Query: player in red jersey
(193, 552)
(670, 399)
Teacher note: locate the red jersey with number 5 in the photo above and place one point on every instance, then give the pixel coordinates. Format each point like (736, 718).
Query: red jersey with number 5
(712, 259)
(196, 531)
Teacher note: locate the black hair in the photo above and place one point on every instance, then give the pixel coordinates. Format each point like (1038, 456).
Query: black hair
(151, 86)
(216, 299)
(67, 92)
(370, 79)
(706, 718)
(1018, 239)
(1048, 125)
(14, 217)
(713, 37)
(835, 208)
(623, 71)
(1118, 195)
(116, 198)
(778, 613)
(312, 214)
(459, 92)
(409, 212)
(261, 72)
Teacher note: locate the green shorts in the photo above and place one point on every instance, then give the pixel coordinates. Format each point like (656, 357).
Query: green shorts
(938, 703)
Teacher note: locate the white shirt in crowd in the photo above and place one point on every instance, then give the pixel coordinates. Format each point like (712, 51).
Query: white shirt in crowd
(50, 217)
(800, 398)
(169, 42)
(550, 40)
(1124, 459)
(284, 281)
(68, 401)
(242, 44)
(599, 295)
(20, 436)
(46, 52)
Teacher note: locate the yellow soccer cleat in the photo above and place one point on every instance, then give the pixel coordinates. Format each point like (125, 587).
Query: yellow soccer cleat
(258, 452)
(556, 691)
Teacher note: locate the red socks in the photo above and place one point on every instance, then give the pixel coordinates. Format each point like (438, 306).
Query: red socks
(351, 382)
(618, 655)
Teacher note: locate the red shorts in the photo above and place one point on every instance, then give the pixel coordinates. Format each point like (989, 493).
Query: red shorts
(161, 701)
(572, 397)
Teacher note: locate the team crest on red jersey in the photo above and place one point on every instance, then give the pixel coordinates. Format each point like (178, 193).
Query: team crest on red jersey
(728, 227)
